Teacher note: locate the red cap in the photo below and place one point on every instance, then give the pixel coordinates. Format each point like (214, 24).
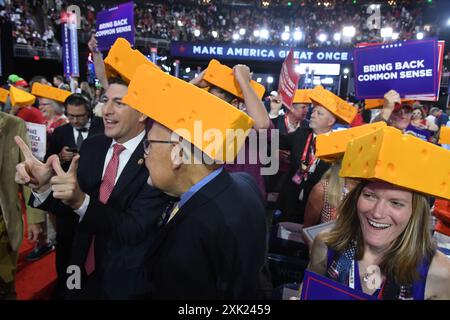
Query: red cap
(21, 83)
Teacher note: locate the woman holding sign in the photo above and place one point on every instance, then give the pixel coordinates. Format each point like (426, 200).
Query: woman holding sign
(382, 244)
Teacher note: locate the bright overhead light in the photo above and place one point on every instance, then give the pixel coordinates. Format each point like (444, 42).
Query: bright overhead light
(386, 32)
(256, 33)
(346, 70)
(298, 35)
(188, 70)
(196, 32)
(242, 31)
(322, 37)
(285, 36)
(349, 31)
(420, 36)
(235, 36)
(264, 34)
(395, 36)
(214, 34)
(337, 37)
(269, 80)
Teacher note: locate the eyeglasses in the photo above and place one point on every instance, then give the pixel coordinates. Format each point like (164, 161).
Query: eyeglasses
(73, 116)
(147, 144)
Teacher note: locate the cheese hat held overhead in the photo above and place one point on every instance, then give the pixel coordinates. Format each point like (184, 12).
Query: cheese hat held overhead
(222, 76)
(123, 61)
(20, 98)
(331, 146)
(201, 118)
(378, 103)
(343, 111)
(400, 159)
(302, 96)
(444, 135)
(3, 95)
(52, 93)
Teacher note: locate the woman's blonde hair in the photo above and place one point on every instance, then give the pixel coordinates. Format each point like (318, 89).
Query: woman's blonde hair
(335, 184)
(405, 253)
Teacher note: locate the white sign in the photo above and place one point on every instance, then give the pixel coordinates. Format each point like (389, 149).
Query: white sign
(320, 69)
(37, 134)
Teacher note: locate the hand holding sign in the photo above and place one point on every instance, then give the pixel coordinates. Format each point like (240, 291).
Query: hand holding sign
(65, 184)
(32, 172)
(92, 44)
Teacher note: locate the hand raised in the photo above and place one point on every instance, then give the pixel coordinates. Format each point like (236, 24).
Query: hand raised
(65, 184)
(32, 172)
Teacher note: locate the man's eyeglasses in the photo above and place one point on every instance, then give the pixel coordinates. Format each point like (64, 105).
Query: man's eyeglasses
(147, 144)
(80, 116)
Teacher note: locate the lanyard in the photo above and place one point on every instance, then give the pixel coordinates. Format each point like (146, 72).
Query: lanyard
(305, 152)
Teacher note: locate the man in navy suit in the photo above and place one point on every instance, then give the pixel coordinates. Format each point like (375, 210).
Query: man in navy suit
(63, 142)
(211, 244)
(106, 187)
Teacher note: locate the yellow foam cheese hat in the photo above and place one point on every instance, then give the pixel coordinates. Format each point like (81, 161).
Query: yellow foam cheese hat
(400, 159)
(48, 92)
(3, 95)
(444, 136)
(378, 103)
(302, 96)
(222, 76)
(331, 146)
(20, 98)
(123, 61)
(203, 119)
(343, 111)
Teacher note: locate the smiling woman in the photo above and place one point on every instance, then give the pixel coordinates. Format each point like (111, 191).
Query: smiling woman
(381, 225)
(382, 243)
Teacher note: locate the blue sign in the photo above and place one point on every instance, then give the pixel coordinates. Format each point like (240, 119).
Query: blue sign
(410, 68)
(113, 23)
(261, 53)
(70, 50)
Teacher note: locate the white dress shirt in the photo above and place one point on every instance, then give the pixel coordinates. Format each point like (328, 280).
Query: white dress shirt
(125, 155)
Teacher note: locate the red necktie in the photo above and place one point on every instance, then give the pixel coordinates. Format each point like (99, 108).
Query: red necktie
(106, 189)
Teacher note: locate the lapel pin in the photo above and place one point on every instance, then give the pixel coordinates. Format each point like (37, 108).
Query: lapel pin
(140, 161)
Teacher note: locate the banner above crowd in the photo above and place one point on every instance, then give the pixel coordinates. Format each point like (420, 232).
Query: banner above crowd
(261, 53)
(113, 23)
(411, 68)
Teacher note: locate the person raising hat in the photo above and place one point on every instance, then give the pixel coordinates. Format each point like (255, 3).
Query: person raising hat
(381, 243)
(305, 169)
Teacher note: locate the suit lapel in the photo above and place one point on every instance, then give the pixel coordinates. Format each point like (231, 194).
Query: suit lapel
(204, 195)
(132, 168)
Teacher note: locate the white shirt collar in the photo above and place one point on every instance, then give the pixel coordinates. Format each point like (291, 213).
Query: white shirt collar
(131, 144)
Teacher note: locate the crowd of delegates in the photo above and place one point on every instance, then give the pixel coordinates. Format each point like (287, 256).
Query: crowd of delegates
(29, 28)
(179, 20)
(131, 230)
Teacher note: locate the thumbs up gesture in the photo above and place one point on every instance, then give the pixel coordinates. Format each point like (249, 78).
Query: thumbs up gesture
(32, 172)
(65, 184)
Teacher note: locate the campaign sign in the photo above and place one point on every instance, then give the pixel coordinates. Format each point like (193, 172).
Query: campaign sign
(410, 68)
(317, 287)
(224, 51)
(37, 135)
(288, 83)
(113, 23)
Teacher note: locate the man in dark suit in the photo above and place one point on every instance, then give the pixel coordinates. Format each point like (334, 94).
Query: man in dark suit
(66, 142)
(211, 244)
(108, 191)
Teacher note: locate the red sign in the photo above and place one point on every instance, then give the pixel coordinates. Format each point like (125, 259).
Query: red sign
(288, 83)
